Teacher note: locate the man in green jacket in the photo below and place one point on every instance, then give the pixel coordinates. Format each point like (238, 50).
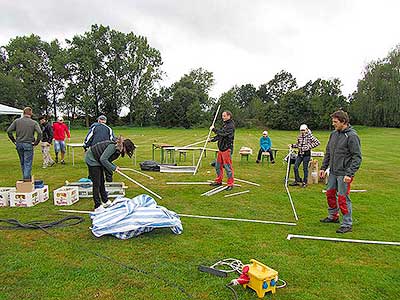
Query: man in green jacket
(343, 157)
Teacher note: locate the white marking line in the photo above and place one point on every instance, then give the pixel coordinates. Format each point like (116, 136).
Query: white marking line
(291, 236)
(238, 193)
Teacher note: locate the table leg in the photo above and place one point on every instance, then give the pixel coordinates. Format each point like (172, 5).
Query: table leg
(73, 156)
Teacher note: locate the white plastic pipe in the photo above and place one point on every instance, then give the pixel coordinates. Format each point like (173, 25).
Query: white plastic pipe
(205, 144)
(198, 217)
(190, 182)
(291, 236)
(286, 184)
(139, 184)
(245, 181)
(238, 193)
(213, 191)
(136, 171)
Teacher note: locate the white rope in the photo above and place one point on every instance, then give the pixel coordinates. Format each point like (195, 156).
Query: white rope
(139, 184)
(205, 144)
(291, 236)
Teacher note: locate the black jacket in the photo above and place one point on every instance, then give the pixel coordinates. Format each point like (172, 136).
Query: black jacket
(47, 131)
(225, 136)
(343, 153)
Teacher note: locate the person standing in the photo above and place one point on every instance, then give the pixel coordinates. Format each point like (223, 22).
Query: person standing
(225, 138)
(98, 158)
(265, 146)
(343, 157)
(24, 141)
(47, 139)
(99, 132)
(305, 142)
(60, 129)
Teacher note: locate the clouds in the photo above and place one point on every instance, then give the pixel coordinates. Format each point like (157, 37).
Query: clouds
(239, 41)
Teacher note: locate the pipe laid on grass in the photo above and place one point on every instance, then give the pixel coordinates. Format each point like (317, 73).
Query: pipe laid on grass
(248, 182)
(139, 184)
(286, 184)
(136, 171)
(320, 238)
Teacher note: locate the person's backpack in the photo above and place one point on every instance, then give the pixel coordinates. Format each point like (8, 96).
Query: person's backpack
(150, 165)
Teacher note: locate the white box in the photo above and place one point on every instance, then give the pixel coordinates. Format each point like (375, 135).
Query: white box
(43, 193)
(66, 195)
(5, 195)
(24, 199)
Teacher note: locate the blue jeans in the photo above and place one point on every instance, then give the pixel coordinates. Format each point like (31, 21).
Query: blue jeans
(305, 160)
(25, 153)
(337, 194)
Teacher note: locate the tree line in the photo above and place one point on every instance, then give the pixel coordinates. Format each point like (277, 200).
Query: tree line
(103, 70)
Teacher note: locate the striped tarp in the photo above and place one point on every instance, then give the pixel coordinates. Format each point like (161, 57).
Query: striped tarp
(127, 218)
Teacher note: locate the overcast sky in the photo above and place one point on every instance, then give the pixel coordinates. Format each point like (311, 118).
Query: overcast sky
(239, 41)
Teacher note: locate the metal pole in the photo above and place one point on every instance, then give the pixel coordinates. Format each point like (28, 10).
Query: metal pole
(133, 170)
(238, 193)
(208, 137)
(139, 184)
(200, 217)
(286, 184)
(291, 236)
(245, 181)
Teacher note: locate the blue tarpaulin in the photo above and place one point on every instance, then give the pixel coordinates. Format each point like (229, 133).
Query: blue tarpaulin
(127, 218)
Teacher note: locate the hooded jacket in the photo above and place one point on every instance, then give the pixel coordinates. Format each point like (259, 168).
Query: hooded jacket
(225, 136)
(343, 153)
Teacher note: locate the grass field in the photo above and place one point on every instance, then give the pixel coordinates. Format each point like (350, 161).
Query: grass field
(35, 265)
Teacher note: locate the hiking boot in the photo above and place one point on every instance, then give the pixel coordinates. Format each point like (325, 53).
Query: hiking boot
(216, 183)
(329, 220)
(229, 188)
(295, 183)
(344, 229)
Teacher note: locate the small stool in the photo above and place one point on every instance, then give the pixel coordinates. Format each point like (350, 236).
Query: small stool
(246, 155)
(265, 155)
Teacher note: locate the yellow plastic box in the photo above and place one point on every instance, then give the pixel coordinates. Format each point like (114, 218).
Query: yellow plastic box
(263, 279)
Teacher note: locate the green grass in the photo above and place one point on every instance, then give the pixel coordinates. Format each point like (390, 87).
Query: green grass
(35, 265)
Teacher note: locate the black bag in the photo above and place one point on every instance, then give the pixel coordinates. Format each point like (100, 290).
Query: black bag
(292, 158)
(150, 165)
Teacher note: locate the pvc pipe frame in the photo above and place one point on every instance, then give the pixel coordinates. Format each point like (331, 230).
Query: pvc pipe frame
(200, 217)
(133, 170)
(139, 184)
(291, 236)
(208, 137)
(286, 184)
(214, 191)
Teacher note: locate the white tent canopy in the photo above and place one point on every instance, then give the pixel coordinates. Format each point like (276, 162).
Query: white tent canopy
(8, 110)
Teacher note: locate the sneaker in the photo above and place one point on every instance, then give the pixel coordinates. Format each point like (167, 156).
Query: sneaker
(329, 220)
(304, 185)
(272, 161)
(56, 160)
(257, 161)
(295, 183)
(229, 188)
(99, 209)
(107, 204)
(63, 162)
(44, 166)
(344, 229)
(52, 164)
(216, 183)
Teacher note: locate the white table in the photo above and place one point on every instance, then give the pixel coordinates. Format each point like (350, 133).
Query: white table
(70, 148)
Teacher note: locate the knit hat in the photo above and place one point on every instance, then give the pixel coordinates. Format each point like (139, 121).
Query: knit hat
(303, 127)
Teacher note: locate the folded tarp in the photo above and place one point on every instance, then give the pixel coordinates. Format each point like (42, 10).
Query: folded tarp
(127, 218)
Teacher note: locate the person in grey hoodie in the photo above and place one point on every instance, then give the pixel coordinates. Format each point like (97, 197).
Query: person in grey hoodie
(343, 157)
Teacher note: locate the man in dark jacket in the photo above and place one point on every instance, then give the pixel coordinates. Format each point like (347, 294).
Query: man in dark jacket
(99, 132)
(225, 137)
(24, 141)
(343, 157)
(47, 139)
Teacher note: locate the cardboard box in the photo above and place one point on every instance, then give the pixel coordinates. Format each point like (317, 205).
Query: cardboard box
(24, 199)
(66, 195)
(5, 195)
(25, 186)
(43, 193)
